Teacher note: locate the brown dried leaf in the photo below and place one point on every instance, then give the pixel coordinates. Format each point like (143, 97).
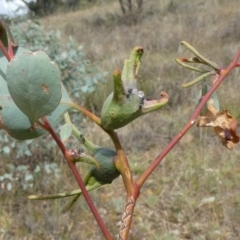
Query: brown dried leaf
(224, 124)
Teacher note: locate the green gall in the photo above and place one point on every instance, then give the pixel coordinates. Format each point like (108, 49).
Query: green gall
(107, 170)
(115, 115)
(100, 175)
(127, 103)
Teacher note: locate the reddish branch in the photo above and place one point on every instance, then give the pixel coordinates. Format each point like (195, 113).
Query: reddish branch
(222, 75)
(5, 52)
(78, 178)
(129, 208)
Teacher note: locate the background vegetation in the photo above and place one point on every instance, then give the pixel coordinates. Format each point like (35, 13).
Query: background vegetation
(194, 193)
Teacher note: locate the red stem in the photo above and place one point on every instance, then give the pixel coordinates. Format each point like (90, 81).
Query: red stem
(10, 49)
(5, 52)
(223, 73)
(78, 178)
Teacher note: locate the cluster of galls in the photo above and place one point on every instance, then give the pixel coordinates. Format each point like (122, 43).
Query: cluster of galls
(121, 107)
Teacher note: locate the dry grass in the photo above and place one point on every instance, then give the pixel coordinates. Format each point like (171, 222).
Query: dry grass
(194, 193)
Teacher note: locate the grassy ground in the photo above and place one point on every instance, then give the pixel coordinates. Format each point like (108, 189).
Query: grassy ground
(194, 193)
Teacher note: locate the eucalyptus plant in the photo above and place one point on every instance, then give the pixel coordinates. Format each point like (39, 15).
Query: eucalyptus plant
(33, 101)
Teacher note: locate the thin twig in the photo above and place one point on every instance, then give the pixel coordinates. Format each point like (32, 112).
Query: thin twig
(129, 208)
(5, 52)
(83, 110)
(222, 75)
(46, 125)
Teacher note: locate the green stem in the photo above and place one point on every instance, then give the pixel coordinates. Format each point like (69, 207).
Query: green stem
(198, 79)
(222, 75)
(76, 133)
(89, 188)
(79, 136)
(54, 196)
(83, 110)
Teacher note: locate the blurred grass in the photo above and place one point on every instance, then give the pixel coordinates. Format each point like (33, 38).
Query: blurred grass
(194, 193)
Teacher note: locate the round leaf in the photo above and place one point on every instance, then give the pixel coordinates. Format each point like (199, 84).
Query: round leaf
(12, 119)
(19, 126)
(34, 84)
